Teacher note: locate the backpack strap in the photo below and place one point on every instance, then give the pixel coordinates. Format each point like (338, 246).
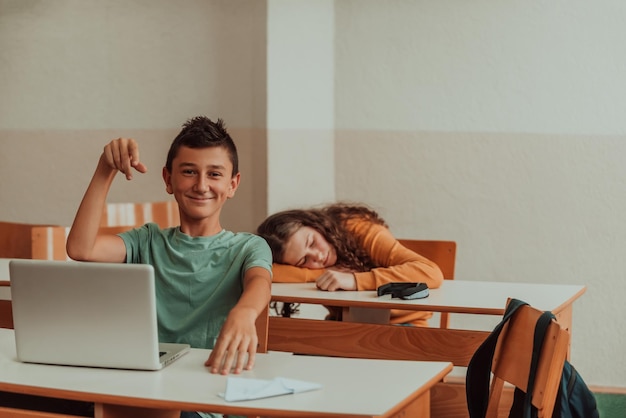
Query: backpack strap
(479, 368)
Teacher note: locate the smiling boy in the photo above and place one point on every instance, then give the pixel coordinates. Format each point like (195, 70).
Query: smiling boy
(211, 284)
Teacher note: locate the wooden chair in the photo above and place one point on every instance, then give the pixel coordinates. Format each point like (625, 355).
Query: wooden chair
(48, 242)
(164, 213)
(442, 253)
(15, 239)
(512, 359)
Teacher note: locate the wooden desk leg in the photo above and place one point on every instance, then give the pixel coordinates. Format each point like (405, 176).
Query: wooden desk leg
(122, 411)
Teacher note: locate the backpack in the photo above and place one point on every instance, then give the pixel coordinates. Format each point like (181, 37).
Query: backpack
(574, 399)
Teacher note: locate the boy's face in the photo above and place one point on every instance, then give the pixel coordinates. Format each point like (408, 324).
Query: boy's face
(201, 181)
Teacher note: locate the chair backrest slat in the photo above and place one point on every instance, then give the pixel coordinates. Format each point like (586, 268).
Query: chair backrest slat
(442, 253)
(164, 213)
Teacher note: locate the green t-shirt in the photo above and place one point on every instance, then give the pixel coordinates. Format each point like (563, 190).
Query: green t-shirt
(198, 280)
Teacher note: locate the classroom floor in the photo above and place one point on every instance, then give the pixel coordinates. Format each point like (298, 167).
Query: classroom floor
(611, 405)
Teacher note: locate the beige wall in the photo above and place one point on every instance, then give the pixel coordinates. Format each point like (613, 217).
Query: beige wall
(499, 125)
(76, 74)
(300, 103)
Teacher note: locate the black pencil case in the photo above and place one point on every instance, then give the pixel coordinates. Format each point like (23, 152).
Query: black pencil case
(404, 290)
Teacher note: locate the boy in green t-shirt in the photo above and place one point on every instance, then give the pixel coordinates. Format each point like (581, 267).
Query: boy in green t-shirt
(211, 284)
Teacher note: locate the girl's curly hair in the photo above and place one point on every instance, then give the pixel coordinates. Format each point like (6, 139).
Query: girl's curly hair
(330, 221)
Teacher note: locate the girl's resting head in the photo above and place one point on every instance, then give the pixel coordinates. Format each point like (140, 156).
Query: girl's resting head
(318, 238)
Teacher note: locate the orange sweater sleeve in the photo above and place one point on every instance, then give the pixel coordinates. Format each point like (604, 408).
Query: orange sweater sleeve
(397, 263)
(284, 273)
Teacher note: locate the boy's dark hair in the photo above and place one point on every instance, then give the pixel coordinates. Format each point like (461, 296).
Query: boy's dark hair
(202, 132)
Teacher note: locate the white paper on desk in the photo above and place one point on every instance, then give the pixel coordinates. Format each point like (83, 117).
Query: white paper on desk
(242, 389)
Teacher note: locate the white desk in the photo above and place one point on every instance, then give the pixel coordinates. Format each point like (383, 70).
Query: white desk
(351, 387)
(456, 296)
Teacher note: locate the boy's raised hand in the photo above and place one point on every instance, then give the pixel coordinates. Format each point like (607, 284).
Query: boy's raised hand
(122, 154)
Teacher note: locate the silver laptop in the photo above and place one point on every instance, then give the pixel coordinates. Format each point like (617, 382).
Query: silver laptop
(87, 314)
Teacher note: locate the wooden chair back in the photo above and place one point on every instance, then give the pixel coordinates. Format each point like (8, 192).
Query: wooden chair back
(48, 242)
(20, 240)
(442, 253)
(512, 360)
(15, 239)
(164, 213)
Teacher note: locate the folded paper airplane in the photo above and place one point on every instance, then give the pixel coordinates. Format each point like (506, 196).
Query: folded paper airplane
(242, 389)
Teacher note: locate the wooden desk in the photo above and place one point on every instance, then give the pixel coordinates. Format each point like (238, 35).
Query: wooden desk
(364, 340)
(377, 341)
(351, 387)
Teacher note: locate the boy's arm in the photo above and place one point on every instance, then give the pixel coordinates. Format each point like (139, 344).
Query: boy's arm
(238, 336)
(83, 241)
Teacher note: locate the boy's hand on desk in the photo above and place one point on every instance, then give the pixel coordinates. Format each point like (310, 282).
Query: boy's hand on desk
(332, 280)
(237, 339)
(122, 154)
